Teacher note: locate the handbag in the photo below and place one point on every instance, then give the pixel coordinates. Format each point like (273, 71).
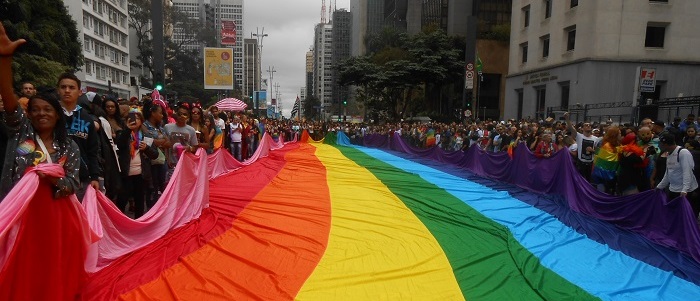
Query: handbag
(160, 160)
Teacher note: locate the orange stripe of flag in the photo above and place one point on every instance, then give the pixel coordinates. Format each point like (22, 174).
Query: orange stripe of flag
(274, 245)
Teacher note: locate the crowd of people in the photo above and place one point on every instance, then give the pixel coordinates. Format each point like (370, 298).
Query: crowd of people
(129, 148)
(126, 148)
(618, 159)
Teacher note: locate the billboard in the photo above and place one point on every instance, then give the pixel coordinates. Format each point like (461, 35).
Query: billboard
(228, 32)
(218, 68)
(260, 97)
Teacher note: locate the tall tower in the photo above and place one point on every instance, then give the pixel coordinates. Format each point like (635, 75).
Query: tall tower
(323, 12)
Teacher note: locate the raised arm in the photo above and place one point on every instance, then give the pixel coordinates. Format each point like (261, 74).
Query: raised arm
(7, 49)
(570, 126)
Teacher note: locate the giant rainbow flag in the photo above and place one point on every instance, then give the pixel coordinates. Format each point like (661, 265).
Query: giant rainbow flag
(332, 221)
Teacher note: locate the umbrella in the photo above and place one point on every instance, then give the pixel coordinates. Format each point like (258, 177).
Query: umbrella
(231, 104)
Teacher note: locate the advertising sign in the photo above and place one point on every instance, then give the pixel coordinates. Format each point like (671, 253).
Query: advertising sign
(218, 68)
(260, 97)
(647, 80)
(228, 32)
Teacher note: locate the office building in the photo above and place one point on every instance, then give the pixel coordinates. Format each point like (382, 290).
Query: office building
(342, 28)
(252, 70)
(211, 13)
(104, 35)
(367, 19)
(566, 54)
(323, 67)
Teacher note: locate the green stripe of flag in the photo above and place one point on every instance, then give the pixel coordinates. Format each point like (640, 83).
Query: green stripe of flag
(488, 262)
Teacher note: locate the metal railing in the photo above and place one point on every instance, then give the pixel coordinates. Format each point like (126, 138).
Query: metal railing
(623, 112)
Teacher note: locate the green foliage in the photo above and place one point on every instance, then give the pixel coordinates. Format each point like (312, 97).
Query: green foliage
(52, 38)
(310, 112)
(394, 76)
(500, 32)
(39, 70)
(185, 67)
(139, 20)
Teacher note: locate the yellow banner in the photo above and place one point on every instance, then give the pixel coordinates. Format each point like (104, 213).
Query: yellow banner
(218, 68)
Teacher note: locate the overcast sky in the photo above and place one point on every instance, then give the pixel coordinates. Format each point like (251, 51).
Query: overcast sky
(290, 29)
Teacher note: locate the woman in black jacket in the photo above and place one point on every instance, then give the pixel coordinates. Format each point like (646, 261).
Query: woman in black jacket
(136, 150)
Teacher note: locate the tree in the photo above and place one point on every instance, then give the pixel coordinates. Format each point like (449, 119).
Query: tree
(140, 20)
(394, 76)
(52, 39)
(311, 103)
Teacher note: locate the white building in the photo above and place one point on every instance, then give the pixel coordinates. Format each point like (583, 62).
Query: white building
(564, 53)
(211, 13)
(103, 27)
(323, 67)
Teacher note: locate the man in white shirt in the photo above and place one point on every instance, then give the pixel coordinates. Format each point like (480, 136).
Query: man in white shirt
(679, 177)
(586, 143)
(214, 110)
(236, 136)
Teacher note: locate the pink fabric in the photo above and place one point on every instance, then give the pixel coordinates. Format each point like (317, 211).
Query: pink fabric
(114, 234)
(182, 201)
(16, 202)
(222, 162)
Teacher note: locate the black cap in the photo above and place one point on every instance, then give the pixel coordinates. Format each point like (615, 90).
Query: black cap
(659, 123)
(667, 138)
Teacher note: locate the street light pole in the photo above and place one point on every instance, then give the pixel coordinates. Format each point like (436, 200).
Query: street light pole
(260, 35)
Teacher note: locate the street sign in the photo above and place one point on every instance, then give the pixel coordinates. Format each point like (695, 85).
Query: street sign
(469, 80)
(470, 67)
(647, 80)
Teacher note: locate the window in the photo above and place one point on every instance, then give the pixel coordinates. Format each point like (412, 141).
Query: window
(88, 67)
(519, 92)
(545, 46)
(570, 38)
(574, 3)
(565, 86)
(523, 52)
(541, 94)
(547, 9)
(526, 16)
(655, 36)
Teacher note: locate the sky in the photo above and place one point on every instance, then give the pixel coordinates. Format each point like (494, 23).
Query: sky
(290, 28)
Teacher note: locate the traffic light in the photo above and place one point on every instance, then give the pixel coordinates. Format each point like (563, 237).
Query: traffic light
(158, 81)
(345, 102)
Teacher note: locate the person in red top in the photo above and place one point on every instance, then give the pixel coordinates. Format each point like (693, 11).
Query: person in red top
(546, 148)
